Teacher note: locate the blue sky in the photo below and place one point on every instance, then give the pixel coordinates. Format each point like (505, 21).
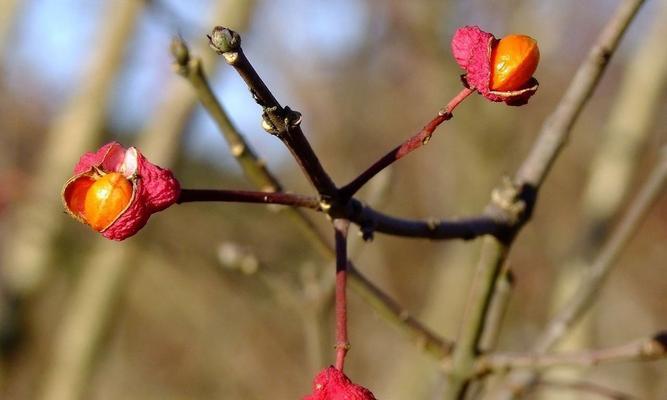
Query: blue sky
(53, 38)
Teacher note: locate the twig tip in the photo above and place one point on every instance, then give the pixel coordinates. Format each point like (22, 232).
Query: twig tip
(179, 50)
(224, 40)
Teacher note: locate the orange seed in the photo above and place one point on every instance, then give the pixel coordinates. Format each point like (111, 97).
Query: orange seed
(106, 199)
(514, 59)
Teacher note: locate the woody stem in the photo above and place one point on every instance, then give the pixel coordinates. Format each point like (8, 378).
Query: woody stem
(244, 196)
(342, 344)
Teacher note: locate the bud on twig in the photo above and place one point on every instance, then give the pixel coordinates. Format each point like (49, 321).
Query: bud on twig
(180, 51)
(224, 40)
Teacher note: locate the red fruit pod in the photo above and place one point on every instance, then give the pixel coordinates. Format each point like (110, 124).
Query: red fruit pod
(115, 190)
(332, 384)
(508, 64)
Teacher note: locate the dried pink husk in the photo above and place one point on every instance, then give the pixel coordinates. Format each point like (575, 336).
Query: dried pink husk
(332, 384)
(472, 48)
(154, 188)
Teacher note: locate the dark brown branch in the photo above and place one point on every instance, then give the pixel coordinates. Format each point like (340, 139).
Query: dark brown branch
(366, 217)
(371, 221)
(243, 196)
(278, 120)
(253, 167)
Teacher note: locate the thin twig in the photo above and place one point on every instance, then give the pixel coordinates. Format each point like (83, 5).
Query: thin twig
(243, 196)
(528, 180)
(645, 349)
(341, 228)
(254, 168)
(493, 256)
(588, 387)
(278, 120)
(413, 143)
(397, 315)
(555, 131)
(497, 309)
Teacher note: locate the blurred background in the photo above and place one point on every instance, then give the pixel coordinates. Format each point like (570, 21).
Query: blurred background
(231, 301)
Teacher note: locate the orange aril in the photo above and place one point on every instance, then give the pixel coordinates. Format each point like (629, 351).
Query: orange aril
(513, 61)
(106, 199)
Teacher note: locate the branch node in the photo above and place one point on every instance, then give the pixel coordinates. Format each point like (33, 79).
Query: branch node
(367, 233)
(238, 149)
(292, 118)
(267, 124)
(509, 201)
(343, 346)
(655, 347)
(325, 205)
(256, 97)
(230, 57)
(180, 52)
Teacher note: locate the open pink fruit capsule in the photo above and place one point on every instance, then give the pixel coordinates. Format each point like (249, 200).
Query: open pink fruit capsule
(332, 384)
(115, 190)
(500, 70)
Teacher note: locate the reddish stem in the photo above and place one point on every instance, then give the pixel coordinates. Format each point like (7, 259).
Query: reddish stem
(413, 143)
(244, 196)
(342, 344)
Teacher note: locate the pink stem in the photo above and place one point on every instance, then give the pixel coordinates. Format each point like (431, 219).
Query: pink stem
(342, 344)
(413, 143)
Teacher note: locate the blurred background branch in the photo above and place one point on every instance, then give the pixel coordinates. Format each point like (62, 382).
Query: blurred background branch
(650, 348)
(97, 294)
(520, 198)
(591, 283)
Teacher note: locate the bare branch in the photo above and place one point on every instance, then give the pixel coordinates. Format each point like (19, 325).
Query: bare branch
(371, 221)
(278, 120)
(556, 129)
(645, 349)
(497, 309)
(254, 168)
(459, 376)
(243, 196)
(589, 387)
